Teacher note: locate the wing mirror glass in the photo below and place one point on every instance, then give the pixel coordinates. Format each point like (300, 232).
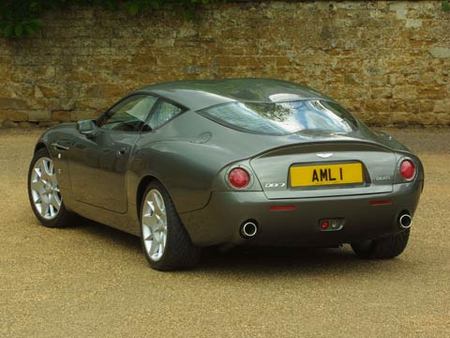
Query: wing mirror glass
(87, 127)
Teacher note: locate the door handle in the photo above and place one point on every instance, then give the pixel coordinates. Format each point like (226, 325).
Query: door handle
(122, 151)
(58, 146)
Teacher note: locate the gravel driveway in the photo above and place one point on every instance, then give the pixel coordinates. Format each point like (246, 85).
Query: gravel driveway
(91, 280)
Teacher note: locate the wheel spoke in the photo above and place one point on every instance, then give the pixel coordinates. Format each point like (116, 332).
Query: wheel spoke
(51, 210)
(38, 172)
(55, 201)
(157, 223)
(154, 246)
(44, 209)
(36, 197)
(51, 168)
(47, 164)
(37, 186)
(147, 233)
(159, 203)
(146, 219)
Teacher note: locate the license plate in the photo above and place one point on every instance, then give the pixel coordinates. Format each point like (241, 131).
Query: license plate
(327, 174)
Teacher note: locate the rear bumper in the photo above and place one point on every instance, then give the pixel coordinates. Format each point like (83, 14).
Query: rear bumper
(219, 222)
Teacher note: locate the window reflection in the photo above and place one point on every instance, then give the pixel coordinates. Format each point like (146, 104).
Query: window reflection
(283, 118)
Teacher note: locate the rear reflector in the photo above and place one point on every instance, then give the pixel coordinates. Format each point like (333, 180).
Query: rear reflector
(282, 208)
(324, 224)
(380, 202)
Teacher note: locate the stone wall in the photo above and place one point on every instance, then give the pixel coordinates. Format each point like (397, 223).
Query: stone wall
(387, 61)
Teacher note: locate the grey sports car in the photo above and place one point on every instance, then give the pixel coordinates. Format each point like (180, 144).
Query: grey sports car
(191, 164)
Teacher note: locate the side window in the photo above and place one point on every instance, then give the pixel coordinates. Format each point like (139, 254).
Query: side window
(164, 112)
(128, 115)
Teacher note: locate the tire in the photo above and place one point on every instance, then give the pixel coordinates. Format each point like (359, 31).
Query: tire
(178, 251)
(382, 248)
(52, 219)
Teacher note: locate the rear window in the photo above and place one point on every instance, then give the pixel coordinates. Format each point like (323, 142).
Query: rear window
(283, 118)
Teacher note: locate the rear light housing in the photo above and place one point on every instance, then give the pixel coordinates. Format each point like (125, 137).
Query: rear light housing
(239, 178)
(407, 169)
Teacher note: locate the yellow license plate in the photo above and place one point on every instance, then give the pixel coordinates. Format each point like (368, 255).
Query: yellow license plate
(327, 174)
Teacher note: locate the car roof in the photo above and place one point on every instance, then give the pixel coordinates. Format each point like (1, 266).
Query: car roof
(200, 94)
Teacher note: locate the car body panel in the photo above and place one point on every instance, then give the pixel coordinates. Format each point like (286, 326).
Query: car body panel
(219, 222)
(99, 165)
(191, 156)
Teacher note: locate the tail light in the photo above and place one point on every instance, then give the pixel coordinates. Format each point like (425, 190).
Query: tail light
(239, 178)
(407, 169)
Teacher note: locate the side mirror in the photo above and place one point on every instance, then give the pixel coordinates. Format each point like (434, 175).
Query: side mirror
(87, 127)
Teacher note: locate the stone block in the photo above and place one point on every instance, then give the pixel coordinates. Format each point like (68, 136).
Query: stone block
(61, 116)
(9, 124)
(39, 115)
(83, 115)
(440, 52)
(405, 92)
(12, 103)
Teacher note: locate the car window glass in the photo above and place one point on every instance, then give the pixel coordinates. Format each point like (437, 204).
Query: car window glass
(283, 118)
(130, 114)
(164, 112)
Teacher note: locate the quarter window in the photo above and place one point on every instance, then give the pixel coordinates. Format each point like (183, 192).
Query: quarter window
(163, 112)
(128, 115)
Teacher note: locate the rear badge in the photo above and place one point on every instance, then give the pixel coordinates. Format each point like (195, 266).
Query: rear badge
(324, 155)
(383, 178)
(275, 185)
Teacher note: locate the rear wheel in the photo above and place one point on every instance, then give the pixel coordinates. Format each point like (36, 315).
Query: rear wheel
(166, 243)
(382, 248)
(44, 194)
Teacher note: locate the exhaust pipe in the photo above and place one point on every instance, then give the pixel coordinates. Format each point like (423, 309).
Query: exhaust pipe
(405, 221)
(249, 229)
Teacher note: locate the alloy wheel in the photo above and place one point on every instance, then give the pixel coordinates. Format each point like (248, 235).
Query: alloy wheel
(44, 188)
(154, 224)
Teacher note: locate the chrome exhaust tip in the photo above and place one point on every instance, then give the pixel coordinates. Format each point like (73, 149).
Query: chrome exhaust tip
(249, 229)
(405, 221)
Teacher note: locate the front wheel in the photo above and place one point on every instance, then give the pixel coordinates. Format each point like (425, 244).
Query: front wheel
(44, 194)
(382, 248)
(166, 243)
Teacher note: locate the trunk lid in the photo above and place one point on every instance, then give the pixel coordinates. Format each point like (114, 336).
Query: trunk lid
(273, 169)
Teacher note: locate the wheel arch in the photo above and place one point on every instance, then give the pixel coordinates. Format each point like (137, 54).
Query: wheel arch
(143, 183)
(40, 145)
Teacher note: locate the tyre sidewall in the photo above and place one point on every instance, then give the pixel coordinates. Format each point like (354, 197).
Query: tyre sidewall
(177, 236)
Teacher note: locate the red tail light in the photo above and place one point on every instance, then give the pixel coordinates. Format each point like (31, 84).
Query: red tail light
(407, 170)
(239, 178)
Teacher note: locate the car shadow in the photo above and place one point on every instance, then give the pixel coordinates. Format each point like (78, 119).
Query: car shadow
(259, 261)
(104, 232)
(289, 261)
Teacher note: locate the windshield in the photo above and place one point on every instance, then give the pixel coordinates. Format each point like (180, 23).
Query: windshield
(283, 118)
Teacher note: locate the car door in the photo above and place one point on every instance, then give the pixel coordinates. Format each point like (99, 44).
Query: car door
(98, 163)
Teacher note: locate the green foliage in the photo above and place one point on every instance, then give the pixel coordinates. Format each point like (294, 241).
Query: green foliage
(446, 5)
(19, 18)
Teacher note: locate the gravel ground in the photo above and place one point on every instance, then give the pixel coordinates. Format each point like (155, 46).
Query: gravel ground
(91, 280)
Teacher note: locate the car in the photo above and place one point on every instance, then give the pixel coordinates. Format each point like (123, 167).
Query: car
(191, 164)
